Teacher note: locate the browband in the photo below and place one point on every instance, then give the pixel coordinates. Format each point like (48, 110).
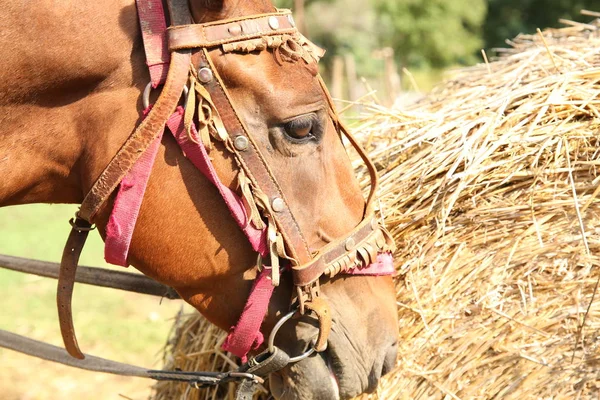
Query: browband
(218, 33)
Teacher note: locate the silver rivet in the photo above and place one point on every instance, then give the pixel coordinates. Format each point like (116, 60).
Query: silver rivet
(205, 75)
(350, 244)
(278, 204)
(240, 143)
(273, 22)
(235, 30)
(374, 223)
(291, 19)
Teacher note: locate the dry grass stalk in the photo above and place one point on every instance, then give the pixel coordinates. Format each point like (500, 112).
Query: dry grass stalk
(490, 187)
(195, 345)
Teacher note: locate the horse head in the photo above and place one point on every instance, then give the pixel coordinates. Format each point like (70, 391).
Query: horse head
(281, 101)
(185, 236)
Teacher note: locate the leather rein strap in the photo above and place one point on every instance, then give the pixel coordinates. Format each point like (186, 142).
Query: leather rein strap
(249, 375)
(150, 128)
(66, 280)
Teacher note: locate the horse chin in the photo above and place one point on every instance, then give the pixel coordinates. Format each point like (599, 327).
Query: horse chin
(310, 379)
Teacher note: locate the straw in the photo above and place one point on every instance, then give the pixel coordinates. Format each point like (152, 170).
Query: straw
(490, 187)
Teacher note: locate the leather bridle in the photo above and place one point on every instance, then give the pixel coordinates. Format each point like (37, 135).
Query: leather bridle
(268, 208)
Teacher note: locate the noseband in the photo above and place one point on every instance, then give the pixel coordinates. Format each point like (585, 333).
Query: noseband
(261, 209)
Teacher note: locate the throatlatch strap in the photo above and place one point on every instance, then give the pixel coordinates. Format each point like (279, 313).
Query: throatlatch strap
(66, 280)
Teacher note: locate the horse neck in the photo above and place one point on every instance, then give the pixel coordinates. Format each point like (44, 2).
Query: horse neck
(75, 106)
(76, 98)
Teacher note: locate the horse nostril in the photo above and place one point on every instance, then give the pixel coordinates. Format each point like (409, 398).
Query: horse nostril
(389, 362)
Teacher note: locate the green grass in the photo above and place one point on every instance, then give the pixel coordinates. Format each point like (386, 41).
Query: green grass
(109, 323)
(39, 231)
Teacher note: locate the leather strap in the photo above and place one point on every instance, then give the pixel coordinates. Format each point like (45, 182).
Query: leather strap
(310, 272)
(366, 231)
(150, 128)
(52, 353)
(108, 278)
(261, 365)
(228, 31)
(320, 308)
(361, 152)
(179, 11)
(136, 145)
(66, 280)
(254, 163)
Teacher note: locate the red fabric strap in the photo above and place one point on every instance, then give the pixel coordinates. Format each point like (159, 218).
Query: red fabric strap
(154, 33)
(196, 153)
(123, 217)
(383, 266)
(245, 336)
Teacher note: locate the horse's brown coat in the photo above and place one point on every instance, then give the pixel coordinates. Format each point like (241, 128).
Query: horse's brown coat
(70, 83)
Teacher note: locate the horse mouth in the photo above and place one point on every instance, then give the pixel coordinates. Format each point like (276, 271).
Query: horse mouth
(332, 377)
(312, 379)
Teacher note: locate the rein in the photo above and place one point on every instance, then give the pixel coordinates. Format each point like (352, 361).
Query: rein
(261, 210)
(249, 376)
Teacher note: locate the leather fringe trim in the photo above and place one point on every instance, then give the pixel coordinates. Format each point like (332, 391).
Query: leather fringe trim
(199, 103)
(364, 253)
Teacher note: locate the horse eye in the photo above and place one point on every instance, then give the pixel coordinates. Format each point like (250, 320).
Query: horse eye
(301, 127)
(300, 133)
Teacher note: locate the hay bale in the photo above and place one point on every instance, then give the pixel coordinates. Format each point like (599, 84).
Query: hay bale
(195, 345)
(491, 184)
(490, 189)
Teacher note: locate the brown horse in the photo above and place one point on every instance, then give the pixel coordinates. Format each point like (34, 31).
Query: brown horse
(70, 83)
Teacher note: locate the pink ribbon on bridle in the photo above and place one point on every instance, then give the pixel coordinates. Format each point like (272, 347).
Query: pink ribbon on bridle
(245, 336)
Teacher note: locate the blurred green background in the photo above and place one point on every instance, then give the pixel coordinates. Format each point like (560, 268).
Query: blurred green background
(380, 40)
(112, 324)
